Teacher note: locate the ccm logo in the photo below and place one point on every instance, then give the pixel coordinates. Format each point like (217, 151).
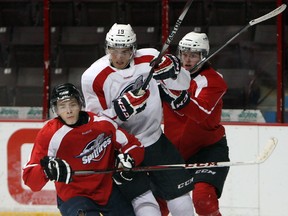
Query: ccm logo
(205, 171)
(123, 108)
(186, 183)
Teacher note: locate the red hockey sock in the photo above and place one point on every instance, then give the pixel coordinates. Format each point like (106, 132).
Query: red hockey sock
(163, 206)
(205, 200)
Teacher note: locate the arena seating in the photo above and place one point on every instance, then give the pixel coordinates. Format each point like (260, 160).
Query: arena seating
(265, 35)
(5, 35)
(78, 29)
(80, 46)
(29, 87)
(27, 47)
(142, 12)
(74, 75)
(223, 12)
(58, 76)
(16, 13)
(195, 17)
(98, 12)
(238, 86)
(148, 36)
(8, 77)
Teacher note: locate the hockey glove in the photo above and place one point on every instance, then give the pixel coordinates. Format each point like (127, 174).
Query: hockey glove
(176, 99)
(130, 104)
(169, 67)
(126, 162)
(56, 169)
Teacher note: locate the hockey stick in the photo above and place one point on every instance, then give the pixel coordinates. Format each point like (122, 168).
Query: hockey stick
(253, 22)
(166, 44)
(263, 156)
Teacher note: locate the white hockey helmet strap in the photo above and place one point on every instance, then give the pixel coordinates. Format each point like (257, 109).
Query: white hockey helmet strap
(194, 42)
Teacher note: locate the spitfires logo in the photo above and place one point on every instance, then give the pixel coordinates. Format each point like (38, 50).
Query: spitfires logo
(95, 150)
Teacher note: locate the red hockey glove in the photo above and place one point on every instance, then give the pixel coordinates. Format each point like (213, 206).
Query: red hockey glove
(130, 104)
(56, 169)
(126, 162)
(169, 67)
(176, 99)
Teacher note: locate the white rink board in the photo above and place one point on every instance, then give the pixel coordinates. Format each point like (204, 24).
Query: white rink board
(258, 190)
(8, 203)
(254, 190)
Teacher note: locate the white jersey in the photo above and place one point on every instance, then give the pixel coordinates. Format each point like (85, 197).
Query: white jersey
(102, 83)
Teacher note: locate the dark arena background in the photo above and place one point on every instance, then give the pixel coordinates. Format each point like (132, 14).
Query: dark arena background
(44, 43)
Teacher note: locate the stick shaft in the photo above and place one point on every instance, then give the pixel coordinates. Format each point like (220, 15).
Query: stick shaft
(167, 43)
(263, 156)
(169, 167)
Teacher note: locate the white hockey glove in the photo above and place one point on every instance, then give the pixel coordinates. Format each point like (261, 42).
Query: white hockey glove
(176, 98)
(126, 162)
(56, 169)
(130, 104)
(169, 67)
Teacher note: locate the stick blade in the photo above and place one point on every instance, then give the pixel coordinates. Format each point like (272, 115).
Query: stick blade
(268, 149)
(273, 13)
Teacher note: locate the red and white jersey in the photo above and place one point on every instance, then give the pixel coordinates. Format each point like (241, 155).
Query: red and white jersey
(85, 147)
(102, 83)
(198, 124)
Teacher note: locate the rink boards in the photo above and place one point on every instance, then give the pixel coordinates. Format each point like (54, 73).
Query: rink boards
(253, 190)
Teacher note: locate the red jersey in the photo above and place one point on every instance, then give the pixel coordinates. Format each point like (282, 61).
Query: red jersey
(88, 146)
(197, 125)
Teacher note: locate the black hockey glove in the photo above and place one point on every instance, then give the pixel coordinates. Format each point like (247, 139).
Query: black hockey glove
(126, 162)
(56, 169)
(169, 67)
(130, 104)
(176, 99)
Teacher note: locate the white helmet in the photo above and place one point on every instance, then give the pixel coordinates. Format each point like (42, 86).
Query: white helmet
(194, 42)
(121, 36)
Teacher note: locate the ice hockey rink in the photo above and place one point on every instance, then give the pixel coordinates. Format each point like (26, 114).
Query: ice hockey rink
(250, 190)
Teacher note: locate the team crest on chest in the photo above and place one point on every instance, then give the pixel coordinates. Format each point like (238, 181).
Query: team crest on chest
(95, 150)
(137, 84)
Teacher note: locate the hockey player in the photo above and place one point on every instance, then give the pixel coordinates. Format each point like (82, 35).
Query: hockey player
(78, 140)
(193, 125)
(110, 87)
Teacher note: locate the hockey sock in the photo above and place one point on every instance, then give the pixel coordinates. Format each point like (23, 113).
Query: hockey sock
(163, 206)
(205, 200)
(181, 206)
(146, 204)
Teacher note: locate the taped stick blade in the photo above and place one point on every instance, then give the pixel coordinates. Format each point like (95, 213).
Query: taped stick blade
(268, 149)
(267, 16)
